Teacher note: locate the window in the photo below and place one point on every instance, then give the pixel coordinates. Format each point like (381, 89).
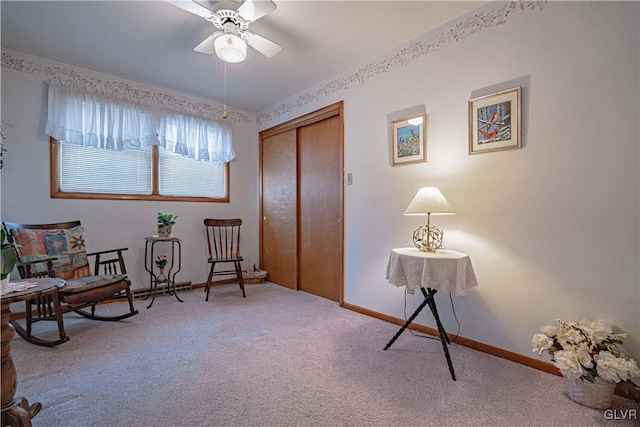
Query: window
(152, 174)
(103, 148)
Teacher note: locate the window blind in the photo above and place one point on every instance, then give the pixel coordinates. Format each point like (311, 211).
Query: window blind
(180, 176)
(93, 170)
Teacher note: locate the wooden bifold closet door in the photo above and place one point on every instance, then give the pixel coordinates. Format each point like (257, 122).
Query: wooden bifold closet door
(302, 203)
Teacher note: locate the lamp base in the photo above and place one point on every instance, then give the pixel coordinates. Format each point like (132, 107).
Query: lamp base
(428, 238)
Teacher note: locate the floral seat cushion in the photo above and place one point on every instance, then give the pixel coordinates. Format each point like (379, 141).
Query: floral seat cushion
(65, 245)
(86, 283)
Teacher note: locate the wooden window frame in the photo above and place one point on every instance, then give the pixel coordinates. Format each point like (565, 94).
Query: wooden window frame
(57, 193)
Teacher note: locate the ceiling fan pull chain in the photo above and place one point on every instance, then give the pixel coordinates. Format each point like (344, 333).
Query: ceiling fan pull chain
(224, 110)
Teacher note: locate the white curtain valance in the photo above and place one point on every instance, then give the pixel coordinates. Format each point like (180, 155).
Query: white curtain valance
(88, 120)
(94, 121)
(196, 138)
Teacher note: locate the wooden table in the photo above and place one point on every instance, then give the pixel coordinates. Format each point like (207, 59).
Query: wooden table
(444, 270)
(17, 411)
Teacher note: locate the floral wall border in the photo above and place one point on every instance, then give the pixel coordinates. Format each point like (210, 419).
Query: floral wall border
(416, 49)
(122, 91)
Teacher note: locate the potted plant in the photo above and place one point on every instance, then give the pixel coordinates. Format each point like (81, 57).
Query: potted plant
(165, 222)
(161, 263)
(8, 258)
(589, 359)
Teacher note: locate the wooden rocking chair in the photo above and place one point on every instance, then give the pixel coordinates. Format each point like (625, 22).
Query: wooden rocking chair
(58, 250)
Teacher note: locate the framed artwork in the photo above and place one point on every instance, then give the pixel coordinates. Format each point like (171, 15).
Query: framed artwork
(408, 144)
(494, 122)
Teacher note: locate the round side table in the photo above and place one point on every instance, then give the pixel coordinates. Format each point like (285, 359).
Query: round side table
(17, 411)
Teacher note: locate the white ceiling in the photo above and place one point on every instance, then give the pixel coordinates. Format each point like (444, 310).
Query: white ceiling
(151, 42)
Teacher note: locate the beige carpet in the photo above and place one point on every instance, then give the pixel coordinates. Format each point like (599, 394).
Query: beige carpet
(277, 358)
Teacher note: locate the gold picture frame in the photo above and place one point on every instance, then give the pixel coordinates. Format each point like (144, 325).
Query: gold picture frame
(494, 122)
(408, 142)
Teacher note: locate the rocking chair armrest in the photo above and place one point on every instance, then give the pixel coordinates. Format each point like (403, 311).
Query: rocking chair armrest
(25, 263)
(107, 251)
(113, 264)
(24, 267)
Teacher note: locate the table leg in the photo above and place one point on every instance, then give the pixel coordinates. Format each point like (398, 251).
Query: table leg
(146, 263)
(153, 285)
(19, 414)
(15, 412)
(173, 278)
(407, 323)
(444, 339)
(175, 293)
(434, 310)
(153, 291)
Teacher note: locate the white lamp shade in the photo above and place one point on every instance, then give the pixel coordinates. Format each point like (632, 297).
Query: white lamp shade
(230, 48)
(429, 200)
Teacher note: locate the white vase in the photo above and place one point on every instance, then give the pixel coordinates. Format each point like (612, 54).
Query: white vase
(597, 395)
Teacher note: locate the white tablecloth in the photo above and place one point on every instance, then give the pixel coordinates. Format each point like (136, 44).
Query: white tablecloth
(445, 270)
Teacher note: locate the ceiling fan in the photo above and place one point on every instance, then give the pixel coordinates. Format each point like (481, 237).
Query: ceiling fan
(232, 19)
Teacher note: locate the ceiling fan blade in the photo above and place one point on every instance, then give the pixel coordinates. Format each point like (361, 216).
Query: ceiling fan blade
(207, 44)
(262, 45)
(191, 6)
(255, 9)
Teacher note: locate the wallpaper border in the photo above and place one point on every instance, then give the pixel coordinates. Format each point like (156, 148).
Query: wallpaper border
(403, 56)
(121, 90)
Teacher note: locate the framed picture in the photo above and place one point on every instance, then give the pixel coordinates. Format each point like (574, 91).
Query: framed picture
(494, 122)
(408, 144)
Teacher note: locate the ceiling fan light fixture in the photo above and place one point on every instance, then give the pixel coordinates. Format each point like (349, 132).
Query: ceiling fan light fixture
(230, 48)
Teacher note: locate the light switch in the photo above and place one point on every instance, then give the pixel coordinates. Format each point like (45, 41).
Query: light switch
(349, 178)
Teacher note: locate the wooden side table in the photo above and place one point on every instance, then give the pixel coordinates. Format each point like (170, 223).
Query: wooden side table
(17, 411)
(149, 262)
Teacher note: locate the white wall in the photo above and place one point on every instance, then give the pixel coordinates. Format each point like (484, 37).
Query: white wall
(553, 229)
(110, 224)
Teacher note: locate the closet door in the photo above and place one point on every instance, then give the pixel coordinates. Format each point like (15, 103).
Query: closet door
(279, 208)
(301, 231)
(320, 247)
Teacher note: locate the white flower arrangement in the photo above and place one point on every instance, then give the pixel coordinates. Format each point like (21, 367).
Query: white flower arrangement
(587, 350)
(161, 261)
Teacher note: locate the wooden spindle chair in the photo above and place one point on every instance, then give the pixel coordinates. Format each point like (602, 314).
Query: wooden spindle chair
(223, 242)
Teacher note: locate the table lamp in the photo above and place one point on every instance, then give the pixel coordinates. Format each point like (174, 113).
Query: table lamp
(427, 201)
